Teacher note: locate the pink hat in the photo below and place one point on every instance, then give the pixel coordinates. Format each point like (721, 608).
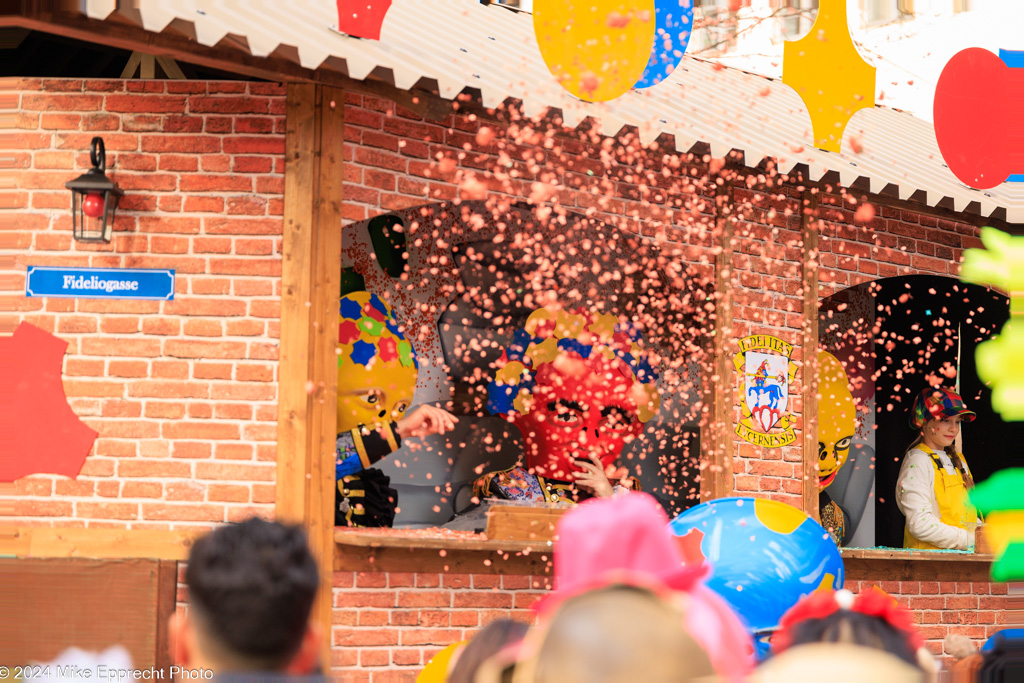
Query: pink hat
(626, 539)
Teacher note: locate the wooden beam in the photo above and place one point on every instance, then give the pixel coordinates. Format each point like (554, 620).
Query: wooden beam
(326, 287)
(370, 551)
(166, 604)
(809, 349)
(719, 381)
(96, 543)
(898, 565)
(125, 35)
(147, 67)
(454, 561)
(132, 65)
(311, 281)
(171, 68)
(296, 308)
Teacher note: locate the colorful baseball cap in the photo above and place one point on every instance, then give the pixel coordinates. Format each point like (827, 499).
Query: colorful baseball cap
(938, 404)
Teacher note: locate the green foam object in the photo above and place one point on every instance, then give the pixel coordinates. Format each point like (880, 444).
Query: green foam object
(1000, 264)
(1000, 361)
(1004, 490)
(999, 493)
(1010, 567)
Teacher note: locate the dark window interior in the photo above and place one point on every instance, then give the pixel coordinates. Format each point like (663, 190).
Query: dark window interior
(901, 332)
(499, 283)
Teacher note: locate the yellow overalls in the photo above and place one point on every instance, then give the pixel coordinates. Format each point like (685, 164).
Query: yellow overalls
(955, 508)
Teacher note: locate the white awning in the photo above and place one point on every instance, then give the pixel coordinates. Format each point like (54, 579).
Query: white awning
(455, 44)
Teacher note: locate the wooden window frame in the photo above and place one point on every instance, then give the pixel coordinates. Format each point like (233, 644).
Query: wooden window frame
(310, 283)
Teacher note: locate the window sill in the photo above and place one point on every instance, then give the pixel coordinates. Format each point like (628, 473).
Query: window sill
(896, 564)
(916, 555)
(463, 552)
(440, 550)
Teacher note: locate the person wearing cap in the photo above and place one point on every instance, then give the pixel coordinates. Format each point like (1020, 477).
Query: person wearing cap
(934, 480)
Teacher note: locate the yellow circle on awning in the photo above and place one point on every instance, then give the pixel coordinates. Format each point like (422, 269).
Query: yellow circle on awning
(597, 49)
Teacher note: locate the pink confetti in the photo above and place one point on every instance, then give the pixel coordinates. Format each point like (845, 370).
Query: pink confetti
(864, 214)
(617, 20)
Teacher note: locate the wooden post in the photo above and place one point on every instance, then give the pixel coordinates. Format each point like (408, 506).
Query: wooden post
(719, 381)
(809, 350)
(296, 313)
(311, 281)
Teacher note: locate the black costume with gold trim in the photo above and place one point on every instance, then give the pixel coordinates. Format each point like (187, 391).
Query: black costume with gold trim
(364, 497)
(833, 518)
(517, 484)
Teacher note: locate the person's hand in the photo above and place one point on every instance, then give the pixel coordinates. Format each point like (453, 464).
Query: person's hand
(426, 419)
(593, 478)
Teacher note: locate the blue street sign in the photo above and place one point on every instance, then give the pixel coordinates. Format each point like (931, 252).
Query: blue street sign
(100, 283)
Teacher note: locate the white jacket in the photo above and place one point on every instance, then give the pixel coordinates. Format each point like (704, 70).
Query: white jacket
(915, 496)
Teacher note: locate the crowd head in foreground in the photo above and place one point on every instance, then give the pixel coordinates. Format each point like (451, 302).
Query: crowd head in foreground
(250, 594)
(625, 607)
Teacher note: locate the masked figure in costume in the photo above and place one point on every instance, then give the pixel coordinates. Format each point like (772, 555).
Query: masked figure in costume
(579, 388)
(377, 372)
(836, 425)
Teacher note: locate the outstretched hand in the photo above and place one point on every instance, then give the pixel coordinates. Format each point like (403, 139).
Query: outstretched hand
(593, 477)
(425, 420)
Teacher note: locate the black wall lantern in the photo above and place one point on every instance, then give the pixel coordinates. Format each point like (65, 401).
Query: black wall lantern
(94, 198)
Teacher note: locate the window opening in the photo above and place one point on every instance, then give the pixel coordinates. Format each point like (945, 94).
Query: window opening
(894, 336)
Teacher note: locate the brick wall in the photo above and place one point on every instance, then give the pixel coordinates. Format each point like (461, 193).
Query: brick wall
(395, 620)
(183, 393)
(201, 164)
(976, 610)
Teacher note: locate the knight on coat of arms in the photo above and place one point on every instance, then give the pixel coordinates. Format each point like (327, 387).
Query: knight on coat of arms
(767, 370)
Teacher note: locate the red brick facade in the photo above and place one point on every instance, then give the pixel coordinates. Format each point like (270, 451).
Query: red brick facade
(184, 393)
(402, 620)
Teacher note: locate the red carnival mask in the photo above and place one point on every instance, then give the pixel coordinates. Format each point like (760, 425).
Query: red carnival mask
(580, 408)
(575, 386)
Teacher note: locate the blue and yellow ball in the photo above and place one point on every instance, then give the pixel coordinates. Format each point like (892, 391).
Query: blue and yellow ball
(764, 555)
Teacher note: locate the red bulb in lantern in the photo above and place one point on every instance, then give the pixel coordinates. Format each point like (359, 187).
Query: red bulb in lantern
(92, 205)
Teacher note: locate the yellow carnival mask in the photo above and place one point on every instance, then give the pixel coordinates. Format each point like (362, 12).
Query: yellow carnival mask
(836, 417)
(377, 366)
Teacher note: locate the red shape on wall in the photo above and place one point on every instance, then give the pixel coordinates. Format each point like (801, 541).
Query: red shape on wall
(979, 118)
(689, 547)
(362, 18)
(39, 433)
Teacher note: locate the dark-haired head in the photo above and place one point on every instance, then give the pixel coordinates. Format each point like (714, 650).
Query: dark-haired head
(845, 626)
(871, 619)
(251, 588)
(493, 638)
